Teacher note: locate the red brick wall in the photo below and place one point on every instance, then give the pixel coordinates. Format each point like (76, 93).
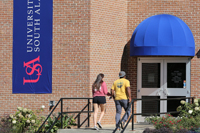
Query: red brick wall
(71, 39)
(85, 43)
(91, 37)
(108, 35)
(6, 101)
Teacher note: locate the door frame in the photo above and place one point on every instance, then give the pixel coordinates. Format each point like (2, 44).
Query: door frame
(163, 82)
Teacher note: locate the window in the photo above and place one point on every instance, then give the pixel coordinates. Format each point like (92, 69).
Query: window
(176, 74)
(150, 75)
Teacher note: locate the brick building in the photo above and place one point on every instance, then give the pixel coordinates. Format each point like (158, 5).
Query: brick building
(92, 37)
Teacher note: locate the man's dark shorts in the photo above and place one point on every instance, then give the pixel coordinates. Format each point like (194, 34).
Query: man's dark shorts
(99, 99)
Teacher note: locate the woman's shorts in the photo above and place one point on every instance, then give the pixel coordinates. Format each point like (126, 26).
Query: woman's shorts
(99, 99)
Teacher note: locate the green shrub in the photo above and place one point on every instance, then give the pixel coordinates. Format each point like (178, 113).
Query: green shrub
(188, 119)
(5, 124)
(166, 121)
(68, 121)
(175, 123)
(28, 121)
(25, 120)
(161, 130)
(189, 109)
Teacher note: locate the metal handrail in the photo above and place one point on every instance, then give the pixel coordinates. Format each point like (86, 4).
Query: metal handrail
(54, 123)
(61, 114)
(48, 117)
(88, 105)
(132, 115)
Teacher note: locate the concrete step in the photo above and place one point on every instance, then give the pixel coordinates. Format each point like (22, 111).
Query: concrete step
(138, 128)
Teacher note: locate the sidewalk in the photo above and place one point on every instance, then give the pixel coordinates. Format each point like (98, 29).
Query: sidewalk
(138, 128)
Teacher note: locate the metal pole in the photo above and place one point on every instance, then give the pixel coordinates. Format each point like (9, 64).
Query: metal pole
(133, 115)
(78, 120)
(61, 113)
(88, 113)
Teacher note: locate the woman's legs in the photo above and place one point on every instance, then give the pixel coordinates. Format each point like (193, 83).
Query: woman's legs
(95, 113)
(101, 101)
(103, 107)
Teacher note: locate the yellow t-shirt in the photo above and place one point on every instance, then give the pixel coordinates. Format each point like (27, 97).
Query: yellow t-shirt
(119, 86)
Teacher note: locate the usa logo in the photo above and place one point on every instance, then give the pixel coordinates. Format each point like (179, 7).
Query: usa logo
(31, 67)
(120, 84)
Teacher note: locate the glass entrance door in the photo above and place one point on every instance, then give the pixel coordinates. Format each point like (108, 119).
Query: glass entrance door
(161, 78)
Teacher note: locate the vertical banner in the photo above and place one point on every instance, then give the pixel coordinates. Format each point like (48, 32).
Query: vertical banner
(32, 46)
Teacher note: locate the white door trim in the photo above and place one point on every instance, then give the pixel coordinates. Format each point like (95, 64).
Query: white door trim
(163, 71)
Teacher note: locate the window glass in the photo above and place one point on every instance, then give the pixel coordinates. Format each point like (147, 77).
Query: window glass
(150, 75)
(176, 74)
(149, 106)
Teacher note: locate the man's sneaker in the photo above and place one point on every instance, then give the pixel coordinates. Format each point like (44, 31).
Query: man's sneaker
(96, 128)
(118, 129)
(99, 124)
(122, 125)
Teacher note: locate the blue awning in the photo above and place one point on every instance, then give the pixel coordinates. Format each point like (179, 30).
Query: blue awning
(162, 35)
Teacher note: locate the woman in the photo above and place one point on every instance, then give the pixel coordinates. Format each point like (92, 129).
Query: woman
(99, 90)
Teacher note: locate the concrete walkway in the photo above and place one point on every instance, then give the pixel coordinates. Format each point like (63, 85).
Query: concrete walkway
(139, 128)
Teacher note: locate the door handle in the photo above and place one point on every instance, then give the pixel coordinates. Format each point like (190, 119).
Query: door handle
(166, 92)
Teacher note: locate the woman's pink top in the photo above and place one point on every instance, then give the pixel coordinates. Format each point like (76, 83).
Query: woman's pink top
(102, 91)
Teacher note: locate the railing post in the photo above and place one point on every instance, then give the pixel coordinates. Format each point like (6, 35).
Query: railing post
(61, 113)
(133, 115)
(88, 112)
(78, 120)
(192, 99)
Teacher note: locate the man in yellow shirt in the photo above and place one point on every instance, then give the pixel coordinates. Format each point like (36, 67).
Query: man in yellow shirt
(122, 97)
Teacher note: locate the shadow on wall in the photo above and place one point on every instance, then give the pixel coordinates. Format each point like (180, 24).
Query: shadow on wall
(129, 65)
(198, 54)
(125, 57)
